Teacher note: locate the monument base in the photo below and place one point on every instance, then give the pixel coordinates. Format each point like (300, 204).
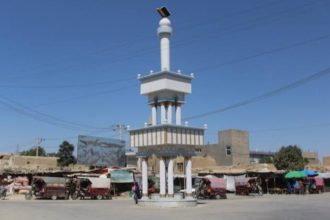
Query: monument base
(167, 202)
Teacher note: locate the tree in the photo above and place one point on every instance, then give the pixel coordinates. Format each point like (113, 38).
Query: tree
(65, 154)
(289, 158)
(33, 152)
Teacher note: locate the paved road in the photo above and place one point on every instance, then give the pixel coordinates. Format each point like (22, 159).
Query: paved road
(234, 208)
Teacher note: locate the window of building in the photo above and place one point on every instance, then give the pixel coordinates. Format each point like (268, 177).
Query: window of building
(228, 151)
(179, 167)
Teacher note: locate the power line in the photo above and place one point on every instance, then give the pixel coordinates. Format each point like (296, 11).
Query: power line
(89, 95)
(275, 50)
(302, 127)
(64, 86)
(279, 49)
(76, 136)
(201, 23)
(323, 37)
(112, 91)
(216, 19)
(46, 118)
(245, 25)
(184, 42)
(266, 95)
(302, 43)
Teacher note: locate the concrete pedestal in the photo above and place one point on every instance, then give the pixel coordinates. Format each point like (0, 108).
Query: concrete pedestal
(155, 200)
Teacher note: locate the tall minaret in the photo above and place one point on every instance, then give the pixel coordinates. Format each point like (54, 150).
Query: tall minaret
(166, 90)
(165, 137)
(165, 32)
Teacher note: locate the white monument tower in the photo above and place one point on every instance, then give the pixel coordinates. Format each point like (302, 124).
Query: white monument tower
(164, 137)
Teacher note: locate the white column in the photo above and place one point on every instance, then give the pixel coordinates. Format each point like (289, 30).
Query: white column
(178, 115)
(165, 53)
(162, 113)
(164, 32)
(139, 164)
(144, 177)
(169, 113)
(188, 178)
(162, 177)
(170, 190)
(154, 115)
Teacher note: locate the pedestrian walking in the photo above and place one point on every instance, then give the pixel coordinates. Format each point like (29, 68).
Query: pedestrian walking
(136, 192)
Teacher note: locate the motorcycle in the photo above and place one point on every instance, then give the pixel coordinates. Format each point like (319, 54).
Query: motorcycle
(256, 189)
(255, 186)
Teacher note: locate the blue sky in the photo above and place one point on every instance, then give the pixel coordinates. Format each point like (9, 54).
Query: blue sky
(70, 67)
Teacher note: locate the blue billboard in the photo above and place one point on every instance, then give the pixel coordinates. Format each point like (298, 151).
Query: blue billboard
(99, 151)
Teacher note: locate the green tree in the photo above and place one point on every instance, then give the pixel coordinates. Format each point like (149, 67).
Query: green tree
(289, 158)
(65, 154)
(33, 152)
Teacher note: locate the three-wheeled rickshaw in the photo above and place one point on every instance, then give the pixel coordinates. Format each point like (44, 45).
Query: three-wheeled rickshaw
(211, 187)
(91, 187)
(247, 185)
(48, 188)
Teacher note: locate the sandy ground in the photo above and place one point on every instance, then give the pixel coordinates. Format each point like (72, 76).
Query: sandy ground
(302, 207)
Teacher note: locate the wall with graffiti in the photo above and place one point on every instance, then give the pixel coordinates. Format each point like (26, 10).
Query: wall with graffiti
(98, 151)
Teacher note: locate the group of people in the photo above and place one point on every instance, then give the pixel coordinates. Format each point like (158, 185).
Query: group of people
(136, 190)
(301, 186)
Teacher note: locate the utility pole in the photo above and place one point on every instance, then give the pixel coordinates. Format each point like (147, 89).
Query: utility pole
(39, 141)
(120, 128)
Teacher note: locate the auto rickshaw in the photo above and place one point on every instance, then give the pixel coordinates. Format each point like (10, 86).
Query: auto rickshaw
(247, 185)
(211, 187)
(48, 188)
(91, 187)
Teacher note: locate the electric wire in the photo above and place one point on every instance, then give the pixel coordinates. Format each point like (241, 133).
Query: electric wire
(268, 52)
(64, 86)
(258, 98)
(265, 95)
(179, 29)
(88, 95)
(229, 29)
(43, 117)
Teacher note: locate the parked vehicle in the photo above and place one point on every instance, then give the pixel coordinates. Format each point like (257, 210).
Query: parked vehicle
(247, 185)
(211, 187)
(91, 187)
(242, 186)
(315, 185)
(3, 192)
(21, 185)
(48, 188)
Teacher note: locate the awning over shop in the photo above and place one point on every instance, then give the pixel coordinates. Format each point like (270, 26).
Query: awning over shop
(324, 175)
(295, 174)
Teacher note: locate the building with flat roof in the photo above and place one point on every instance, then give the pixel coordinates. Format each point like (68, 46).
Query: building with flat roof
(232, 148)
(326, 161)
(312, 157)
